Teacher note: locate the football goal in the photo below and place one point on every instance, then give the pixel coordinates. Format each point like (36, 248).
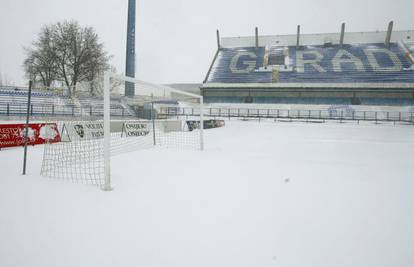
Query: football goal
(151, 117)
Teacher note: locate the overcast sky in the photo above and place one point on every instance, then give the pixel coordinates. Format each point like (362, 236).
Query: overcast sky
(176, 38)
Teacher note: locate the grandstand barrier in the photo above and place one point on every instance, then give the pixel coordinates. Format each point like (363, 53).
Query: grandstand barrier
(337, 113)
(334, 112)
(45, 110)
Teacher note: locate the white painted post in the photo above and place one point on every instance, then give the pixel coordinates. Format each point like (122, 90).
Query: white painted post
(107, 133)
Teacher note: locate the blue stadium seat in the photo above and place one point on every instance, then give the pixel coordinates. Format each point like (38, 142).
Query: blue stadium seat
(378, 64)
(14, 102)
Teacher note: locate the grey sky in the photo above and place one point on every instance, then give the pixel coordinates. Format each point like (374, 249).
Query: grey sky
(176, 39)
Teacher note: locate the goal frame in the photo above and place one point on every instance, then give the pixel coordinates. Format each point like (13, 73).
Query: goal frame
(107, 118)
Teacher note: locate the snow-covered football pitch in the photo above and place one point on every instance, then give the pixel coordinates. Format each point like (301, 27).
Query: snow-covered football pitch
(261, 194)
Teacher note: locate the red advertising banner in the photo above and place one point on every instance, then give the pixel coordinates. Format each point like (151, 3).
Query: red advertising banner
(39, 133)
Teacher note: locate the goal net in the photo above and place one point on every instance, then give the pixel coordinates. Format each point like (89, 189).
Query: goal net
(102, 127)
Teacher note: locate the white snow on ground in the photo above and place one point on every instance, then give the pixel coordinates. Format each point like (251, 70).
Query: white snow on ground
(261, 194)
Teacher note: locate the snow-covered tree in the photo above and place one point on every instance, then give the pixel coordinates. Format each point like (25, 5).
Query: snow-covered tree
(66, 52)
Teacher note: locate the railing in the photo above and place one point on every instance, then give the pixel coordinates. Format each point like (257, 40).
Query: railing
(45, 110)
(13, 109)
(292, 114)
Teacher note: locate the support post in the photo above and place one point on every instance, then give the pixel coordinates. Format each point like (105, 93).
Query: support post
(298, 36)
(218, 39)
(26, 131)
(256, 30)
(341, 38)
(389, 32)
(201, 123)
(153, 122)
(107, 134)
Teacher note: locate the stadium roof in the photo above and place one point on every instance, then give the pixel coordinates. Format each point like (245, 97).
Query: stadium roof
(316, 39)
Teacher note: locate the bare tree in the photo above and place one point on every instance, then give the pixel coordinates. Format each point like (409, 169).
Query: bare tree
(40, 62)
(97, 85)
(66, 52)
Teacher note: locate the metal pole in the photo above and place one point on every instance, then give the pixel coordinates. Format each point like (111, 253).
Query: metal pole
(26, 136)
(297, 36)
(218, 39)
(153, 122)
(256, 30)
(201, 123)
(341, 38)
(389, 32)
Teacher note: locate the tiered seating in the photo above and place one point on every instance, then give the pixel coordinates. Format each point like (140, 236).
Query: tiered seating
(95, 105)
(376, 66)
(20, 96)
(13, 101)
(306, 66)
(375, 63)
(224, 71)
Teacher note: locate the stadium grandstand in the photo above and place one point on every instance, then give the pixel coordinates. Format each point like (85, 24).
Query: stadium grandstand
(355, 76)
(359, 68)
(13, 102)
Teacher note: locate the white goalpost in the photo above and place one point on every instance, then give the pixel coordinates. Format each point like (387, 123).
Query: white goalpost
(151, 118)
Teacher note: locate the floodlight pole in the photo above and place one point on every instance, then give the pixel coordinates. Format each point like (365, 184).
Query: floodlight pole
(107, 133)
(26, 136)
